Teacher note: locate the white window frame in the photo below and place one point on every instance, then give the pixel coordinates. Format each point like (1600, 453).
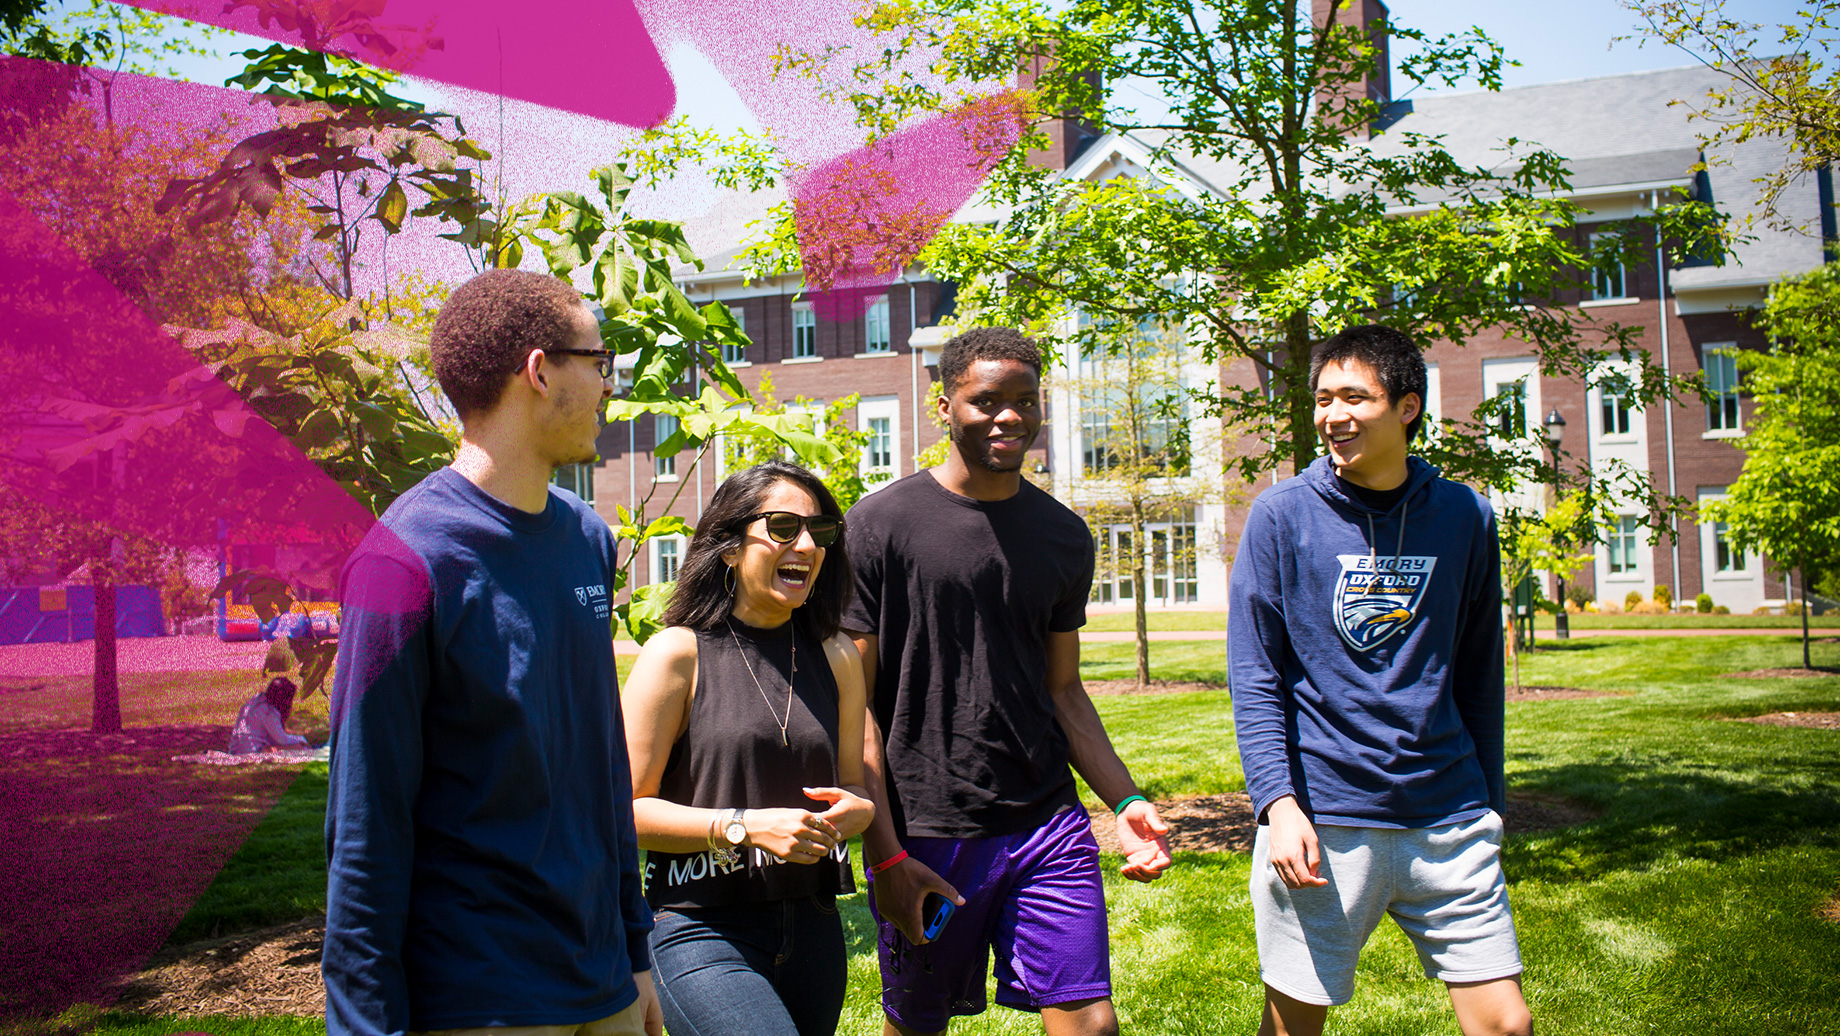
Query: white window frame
(736, 355)
(804, 332)
(664, 469)
(1601, 283)
(1625, 536)
(878, 337)
(1722, 357)
(575, 478)
(659, 544)
(881, 408)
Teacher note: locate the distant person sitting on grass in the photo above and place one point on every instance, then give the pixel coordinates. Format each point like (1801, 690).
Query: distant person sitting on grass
(261, 726)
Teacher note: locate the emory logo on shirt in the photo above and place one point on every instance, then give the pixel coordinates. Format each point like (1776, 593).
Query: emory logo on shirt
(596, 593)
(1372, 606)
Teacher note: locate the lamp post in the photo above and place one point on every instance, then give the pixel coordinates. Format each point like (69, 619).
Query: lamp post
(1555, 430)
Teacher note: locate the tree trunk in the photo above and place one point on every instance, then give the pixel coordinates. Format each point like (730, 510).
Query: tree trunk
(1137, 589)
(1296, 390)
(105, 707)
(1802, 570)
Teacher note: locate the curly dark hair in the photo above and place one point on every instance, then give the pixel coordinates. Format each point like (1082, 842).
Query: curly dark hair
(280, 694)
(702, 600)
(985, 343)
(488, 328)
(1396, 360)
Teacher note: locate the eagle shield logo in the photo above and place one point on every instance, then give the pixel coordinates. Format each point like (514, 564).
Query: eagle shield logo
(581, 594)
(1374, 605)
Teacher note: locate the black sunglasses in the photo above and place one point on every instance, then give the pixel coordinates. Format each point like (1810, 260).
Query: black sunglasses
(604, 356)
(783, 526)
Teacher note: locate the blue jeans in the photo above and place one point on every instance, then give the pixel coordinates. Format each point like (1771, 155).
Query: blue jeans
(766, 969)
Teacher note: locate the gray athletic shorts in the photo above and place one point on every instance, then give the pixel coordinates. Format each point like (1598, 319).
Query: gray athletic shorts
(1442, 885)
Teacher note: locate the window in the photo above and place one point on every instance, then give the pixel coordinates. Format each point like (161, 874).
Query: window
(1727, 557)
(881, 444)
(1607, 280)
(666, 553)
(1623, 545)
(875, 327)
(1615, 413)
(731, 353)
(1722, 384)
(664, 426)
(1096, 434)
(1512, 419)
(804, 331)
(577, 479)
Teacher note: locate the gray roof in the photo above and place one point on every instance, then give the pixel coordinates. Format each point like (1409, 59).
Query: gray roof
(1622, 130)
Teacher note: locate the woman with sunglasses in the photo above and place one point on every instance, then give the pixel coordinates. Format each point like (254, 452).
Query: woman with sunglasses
(744, 721)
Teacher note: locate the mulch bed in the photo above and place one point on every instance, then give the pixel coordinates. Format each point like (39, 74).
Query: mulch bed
(1153, 687)
(1537, 692)
(1764, 674)
(1830, 910)
(105, 842)
(271, 971)
(1817, 720)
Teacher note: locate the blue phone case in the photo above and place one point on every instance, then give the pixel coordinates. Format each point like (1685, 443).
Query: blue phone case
(937, 910)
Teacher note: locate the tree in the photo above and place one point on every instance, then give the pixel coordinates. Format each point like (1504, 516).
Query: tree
(1303, 238)
(1781, 94)
(844, 477)
(1132, 393)
(1786, 503)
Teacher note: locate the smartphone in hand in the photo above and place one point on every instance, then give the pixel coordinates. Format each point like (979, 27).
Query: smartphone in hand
(936, 910)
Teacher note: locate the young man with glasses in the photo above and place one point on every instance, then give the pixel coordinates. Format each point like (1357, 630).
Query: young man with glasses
(971, 588)
(483, 870)
(1364, 655)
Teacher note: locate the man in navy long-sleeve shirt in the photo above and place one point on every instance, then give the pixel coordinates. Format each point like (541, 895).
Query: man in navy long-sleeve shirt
(482, 866)
(1364, 654)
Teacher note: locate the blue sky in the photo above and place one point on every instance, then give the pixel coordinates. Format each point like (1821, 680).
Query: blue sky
(1552, 39)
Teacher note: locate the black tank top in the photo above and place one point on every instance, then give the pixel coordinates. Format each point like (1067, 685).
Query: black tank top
(731, 755)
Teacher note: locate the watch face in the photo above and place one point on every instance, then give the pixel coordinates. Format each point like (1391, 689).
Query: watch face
(736, 831)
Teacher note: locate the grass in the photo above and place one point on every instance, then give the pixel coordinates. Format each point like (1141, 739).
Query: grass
(1691, 904)
(1695, 621)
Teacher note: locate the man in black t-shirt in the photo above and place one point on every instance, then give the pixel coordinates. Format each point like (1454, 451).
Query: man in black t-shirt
(971, 588)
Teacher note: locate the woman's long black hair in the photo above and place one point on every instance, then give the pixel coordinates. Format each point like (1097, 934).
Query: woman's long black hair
(280, 694)
(702, 599)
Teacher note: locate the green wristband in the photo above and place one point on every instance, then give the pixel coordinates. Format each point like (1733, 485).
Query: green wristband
(1128, 799)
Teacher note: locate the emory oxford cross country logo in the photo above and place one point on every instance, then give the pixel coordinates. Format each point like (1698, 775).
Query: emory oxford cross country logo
(1374, 606)
(581, 594)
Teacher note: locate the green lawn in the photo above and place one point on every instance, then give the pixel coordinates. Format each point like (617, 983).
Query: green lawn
(1588, 621)
(1689, 905)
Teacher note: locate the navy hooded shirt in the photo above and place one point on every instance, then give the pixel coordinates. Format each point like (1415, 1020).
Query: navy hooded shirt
(1365, 653)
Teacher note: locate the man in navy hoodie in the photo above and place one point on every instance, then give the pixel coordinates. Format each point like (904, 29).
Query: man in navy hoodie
(482, 867)
(1365, 659)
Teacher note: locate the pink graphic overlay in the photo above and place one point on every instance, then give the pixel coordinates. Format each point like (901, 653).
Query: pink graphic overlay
(111, 427)
(589, 56)
(863, 216)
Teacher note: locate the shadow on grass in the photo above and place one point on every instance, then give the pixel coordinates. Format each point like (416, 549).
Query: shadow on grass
(1659, 816)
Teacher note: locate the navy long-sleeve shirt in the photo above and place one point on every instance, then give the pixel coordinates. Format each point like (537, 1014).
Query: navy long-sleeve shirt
(482, 864)
(1365, 654)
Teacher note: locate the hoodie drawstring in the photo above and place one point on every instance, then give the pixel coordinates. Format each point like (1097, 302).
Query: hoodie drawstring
(1399, 549)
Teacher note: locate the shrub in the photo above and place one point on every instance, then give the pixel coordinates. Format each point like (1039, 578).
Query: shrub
(1632, 601)
(1664, 597)
(1579, 596)
(1703, 604)
(1719, 609)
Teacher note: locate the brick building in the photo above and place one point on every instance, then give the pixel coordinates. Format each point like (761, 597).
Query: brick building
(1628, 149)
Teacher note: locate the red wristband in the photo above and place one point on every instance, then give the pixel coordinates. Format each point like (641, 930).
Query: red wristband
(889, 862)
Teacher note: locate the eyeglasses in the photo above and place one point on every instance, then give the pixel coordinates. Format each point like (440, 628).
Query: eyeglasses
(604, 356)
(784, 526)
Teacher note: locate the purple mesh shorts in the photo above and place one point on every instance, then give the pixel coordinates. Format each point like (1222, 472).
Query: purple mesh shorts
(1037, 897)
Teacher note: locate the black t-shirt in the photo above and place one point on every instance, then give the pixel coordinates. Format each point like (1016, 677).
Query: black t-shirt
(732, 755)
(1378, 499)
(961, 595)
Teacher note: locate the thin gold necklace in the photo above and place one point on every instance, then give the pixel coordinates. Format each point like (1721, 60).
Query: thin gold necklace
(782, 724)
